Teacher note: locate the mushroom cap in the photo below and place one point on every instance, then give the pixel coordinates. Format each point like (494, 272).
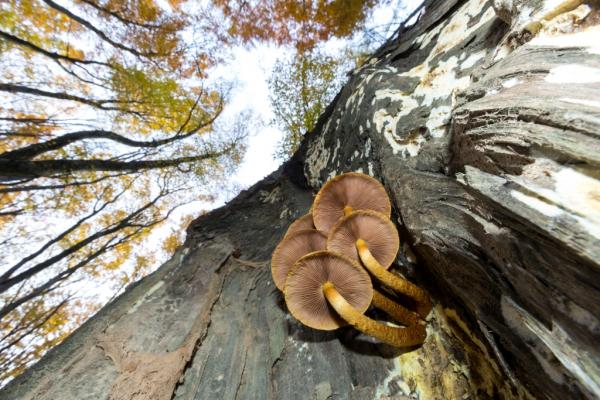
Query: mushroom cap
(291, 248)
(359, 191)
(374, 228)
(304, 288)
(303, 223)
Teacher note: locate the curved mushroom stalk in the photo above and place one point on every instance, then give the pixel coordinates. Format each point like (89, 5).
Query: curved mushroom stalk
(399, 313)
(392, 281)
(400, 337)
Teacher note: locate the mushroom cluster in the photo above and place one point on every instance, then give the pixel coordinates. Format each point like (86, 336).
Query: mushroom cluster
(326, 259)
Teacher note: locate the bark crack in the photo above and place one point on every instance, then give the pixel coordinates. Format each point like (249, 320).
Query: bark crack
(241, 381)
(146, 375)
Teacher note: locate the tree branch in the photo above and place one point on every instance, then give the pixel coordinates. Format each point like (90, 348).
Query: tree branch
(35, 150)
(97, 31)
(119, 17)
(50, 54)
(101, 104)
(19, 169)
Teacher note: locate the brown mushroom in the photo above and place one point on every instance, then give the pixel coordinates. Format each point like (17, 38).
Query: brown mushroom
(324, 289)
(304, 294)
(372, 238)
(303, 223)
(291, 248)
(346, 193)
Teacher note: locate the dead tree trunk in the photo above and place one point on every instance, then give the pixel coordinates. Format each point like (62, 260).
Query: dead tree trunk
(483, 123)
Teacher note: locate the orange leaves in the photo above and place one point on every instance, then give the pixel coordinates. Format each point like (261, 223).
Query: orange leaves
(300, 23)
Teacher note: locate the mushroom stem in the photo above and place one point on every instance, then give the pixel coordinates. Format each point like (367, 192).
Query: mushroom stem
(348, 210)
(394, 310)
(400, 337)
(395, 282)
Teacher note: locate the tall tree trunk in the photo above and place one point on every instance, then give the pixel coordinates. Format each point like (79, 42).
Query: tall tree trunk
(482, 122)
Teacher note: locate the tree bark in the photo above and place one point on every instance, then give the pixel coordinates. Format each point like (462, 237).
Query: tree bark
(485, 135)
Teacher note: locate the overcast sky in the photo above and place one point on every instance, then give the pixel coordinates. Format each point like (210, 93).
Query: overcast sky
(252, 66)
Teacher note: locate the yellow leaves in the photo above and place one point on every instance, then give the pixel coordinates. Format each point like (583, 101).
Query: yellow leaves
(41, 18)
(171, 243)
(48, 321)
(79, 234)
(75, 53)
(163, 102)
(119, 255)
(154, 95)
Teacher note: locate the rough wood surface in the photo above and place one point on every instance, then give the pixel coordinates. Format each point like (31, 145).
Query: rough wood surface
(485, 133)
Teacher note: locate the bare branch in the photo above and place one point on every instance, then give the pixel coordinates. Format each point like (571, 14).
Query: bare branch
(50, 54)
(19, 169)
(97, 31)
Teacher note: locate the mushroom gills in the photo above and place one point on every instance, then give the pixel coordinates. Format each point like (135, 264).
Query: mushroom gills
(395, 336)
(392, 281)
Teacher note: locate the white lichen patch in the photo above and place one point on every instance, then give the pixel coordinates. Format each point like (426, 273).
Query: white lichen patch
(355, 99)
(393, 374)
(439, 83)
(457, 28)
(285, 213)
(316, 161)
(424, 39)
(274, 196)
(580, 194)
(583, 102)
(573, 73)
(146, 296)
(562, 15)
(368, 147)
(537, 204)
(507, 84)
(438, 80)
(587, 38)
(553, 189)
(332, 175)
(386, 124)
(472, 59)
(438, 121)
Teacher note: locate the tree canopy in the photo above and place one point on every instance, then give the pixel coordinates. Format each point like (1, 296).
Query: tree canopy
(302, 24)
(107, 125)
(301, 88)
(110, 122)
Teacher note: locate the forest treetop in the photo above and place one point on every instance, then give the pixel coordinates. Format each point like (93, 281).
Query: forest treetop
(109, 122)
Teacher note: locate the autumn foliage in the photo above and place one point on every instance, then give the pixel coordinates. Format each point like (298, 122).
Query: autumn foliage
(109, 123)
(302, 24)
(107, 126)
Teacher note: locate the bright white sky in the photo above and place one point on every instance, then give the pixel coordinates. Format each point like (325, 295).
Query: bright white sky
(252, 67)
